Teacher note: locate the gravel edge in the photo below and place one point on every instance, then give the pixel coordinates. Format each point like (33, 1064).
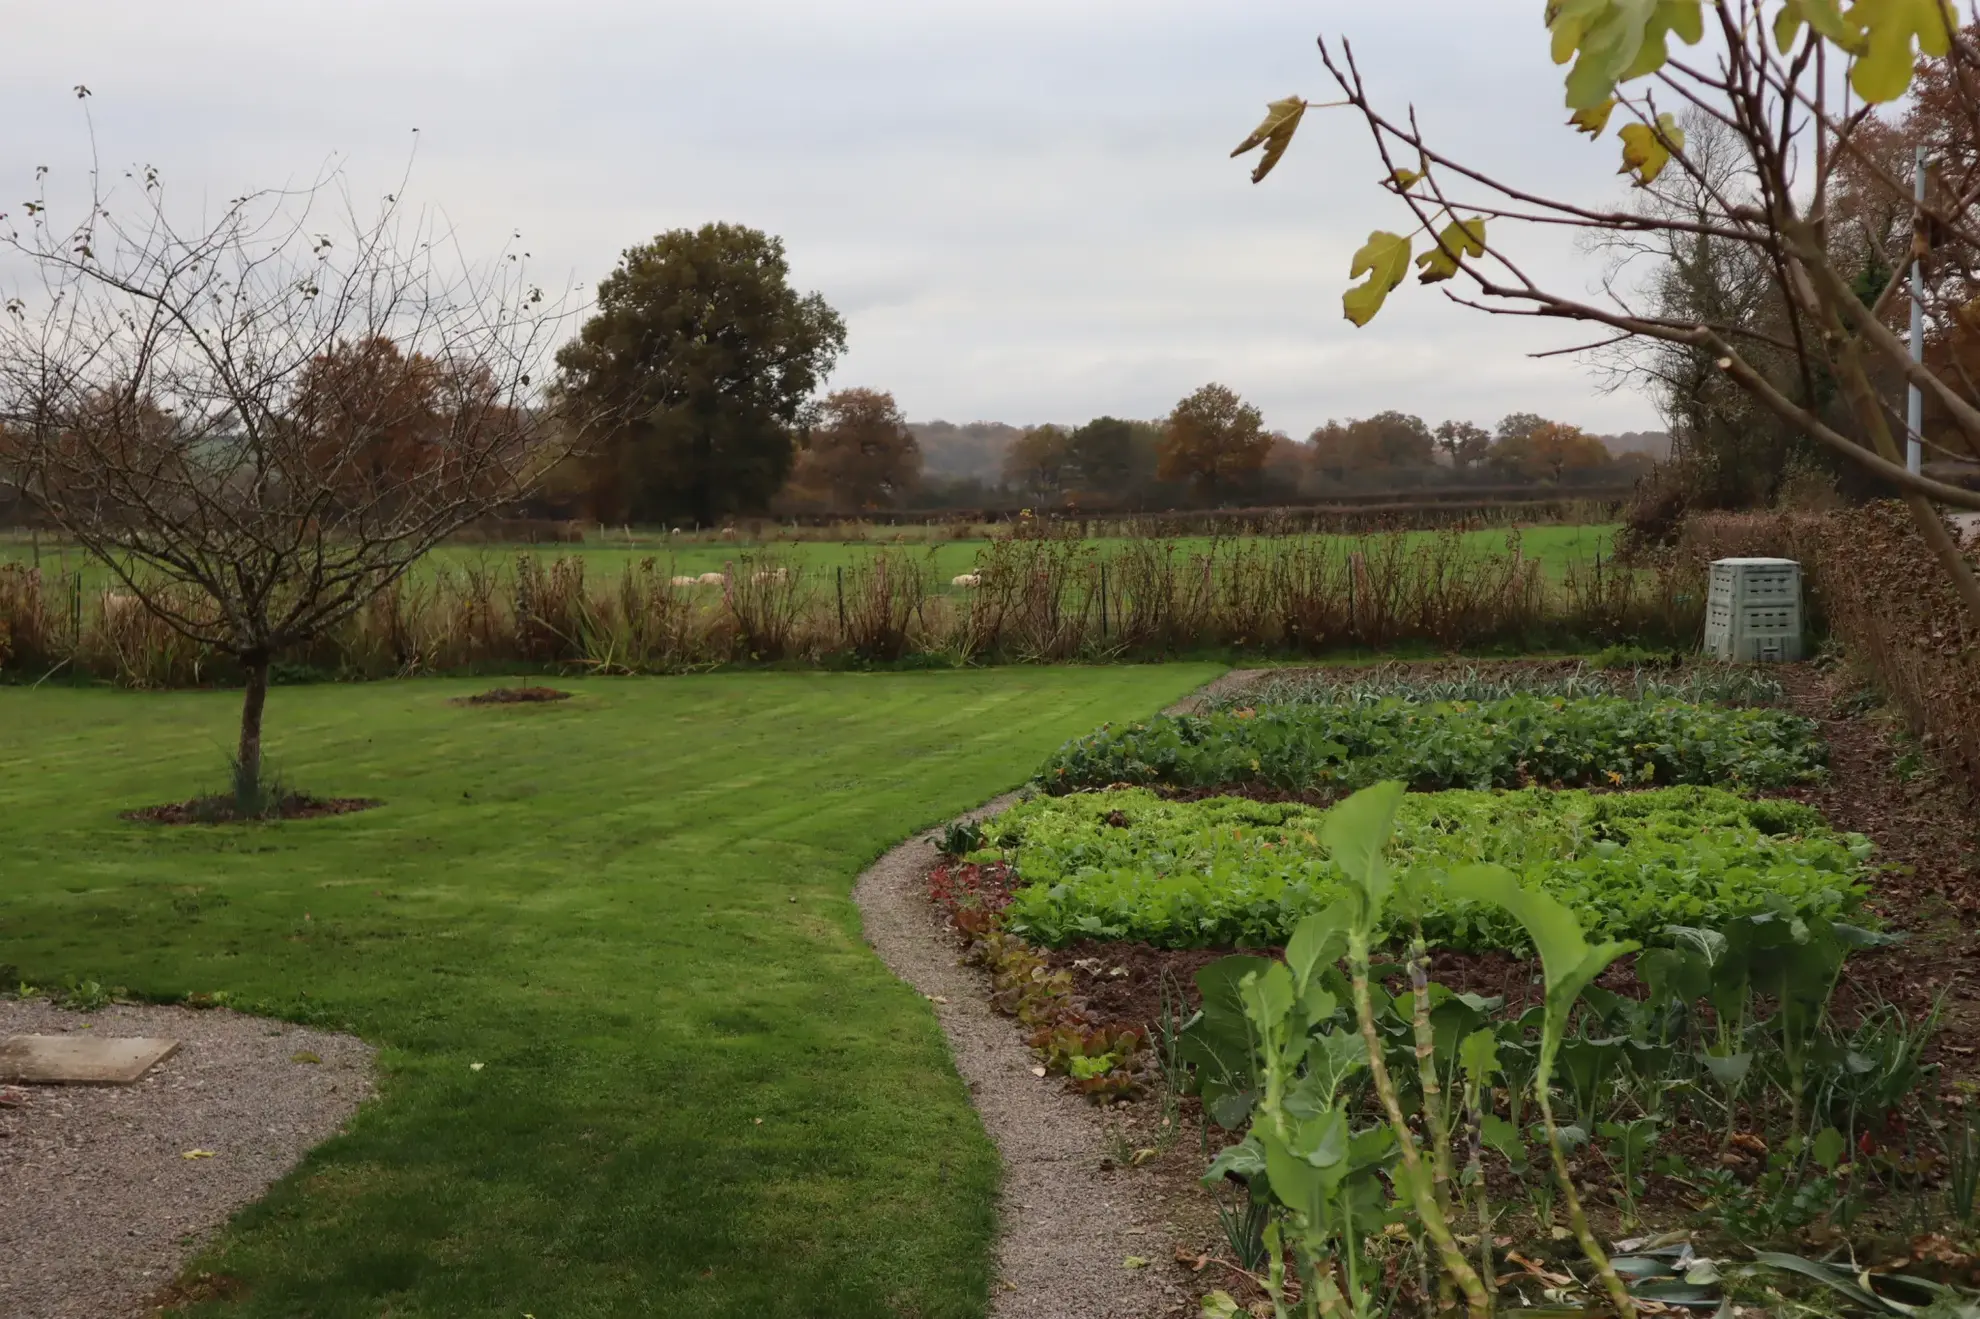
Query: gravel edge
(106, 1192)
(1068, 1228)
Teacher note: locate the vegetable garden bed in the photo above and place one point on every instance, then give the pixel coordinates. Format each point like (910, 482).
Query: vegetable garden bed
(1738, 1083)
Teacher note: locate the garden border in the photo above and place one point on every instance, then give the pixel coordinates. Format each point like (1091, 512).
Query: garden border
(1066, 1225)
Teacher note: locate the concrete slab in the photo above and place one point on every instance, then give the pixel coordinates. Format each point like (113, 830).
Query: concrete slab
(80, 1059)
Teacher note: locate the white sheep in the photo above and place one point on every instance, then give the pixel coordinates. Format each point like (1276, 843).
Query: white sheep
(711, 579)
(771, 575)
(967, 580)
(119, 605)
(685, 581)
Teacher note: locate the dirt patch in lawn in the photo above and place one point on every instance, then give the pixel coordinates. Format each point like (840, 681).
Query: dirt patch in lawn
(515, 696)
(222, 809)
(107, 1191)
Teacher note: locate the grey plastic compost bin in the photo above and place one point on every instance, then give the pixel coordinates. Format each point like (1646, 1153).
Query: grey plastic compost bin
(1753, 611)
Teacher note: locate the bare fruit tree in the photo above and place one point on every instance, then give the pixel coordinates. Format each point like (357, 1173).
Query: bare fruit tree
(260, 422)
(1796, 87)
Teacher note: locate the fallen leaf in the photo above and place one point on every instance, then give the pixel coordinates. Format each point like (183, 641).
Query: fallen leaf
(1134, 1262)
(197, 1154)
(475, 1067)
(1038, 1071)
(305, 1056)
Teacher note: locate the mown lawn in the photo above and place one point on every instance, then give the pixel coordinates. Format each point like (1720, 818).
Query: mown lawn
(701, 1093)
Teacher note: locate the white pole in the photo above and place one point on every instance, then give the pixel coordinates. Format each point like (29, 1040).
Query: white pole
(1914, 411)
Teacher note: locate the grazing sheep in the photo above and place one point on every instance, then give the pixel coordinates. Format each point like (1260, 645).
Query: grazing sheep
(967, 580)
(771, 575)
(711, 579)
(119, 605)
(686, 581)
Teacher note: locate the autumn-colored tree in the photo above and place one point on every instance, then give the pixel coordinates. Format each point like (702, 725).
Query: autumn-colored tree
(1036, 462)
(703, 357)
(860, 454)
(379, 420)
(1548, 451)
(1774, 74)
(1385, 442)
(1287, 463)
(1464, 443)
(1214, 440)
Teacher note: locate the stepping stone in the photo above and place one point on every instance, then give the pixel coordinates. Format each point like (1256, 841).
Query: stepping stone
(80, 1059)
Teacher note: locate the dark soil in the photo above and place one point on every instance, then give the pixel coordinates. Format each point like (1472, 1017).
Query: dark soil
(516, 696)
(220, 810)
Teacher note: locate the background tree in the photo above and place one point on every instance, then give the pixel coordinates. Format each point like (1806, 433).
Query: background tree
(1036, 462)
(1214, 440)
(259, 424)
(1287, 465)
(1773, 73)
(1384, 443)
(1549, 451)
(1728, 449)
(702, 357)
(1464, 442)
(860, 454)
(1100, 456)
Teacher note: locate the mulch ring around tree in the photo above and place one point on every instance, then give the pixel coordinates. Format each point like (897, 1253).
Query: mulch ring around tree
(514, 696)
(222, 809)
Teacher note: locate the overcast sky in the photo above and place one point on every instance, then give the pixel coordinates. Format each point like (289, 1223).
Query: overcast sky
(1023, 208)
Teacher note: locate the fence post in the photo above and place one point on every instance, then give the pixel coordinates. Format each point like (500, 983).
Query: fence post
(839, 577)
(1103, 600)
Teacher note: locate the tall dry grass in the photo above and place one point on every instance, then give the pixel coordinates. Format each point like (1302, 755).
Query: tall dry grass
(1037, 599)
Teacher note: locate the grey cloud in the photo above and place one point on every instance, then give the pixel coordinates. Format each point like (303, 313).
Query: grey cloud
(1024, 207)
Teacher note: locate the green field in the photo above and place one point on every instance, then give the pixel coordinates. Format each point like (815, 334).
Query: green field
(1554, 546)
(702, 1094)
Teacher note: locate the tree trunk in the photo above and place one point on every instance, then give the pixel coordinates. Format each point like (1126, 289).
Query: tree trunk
(247, 763)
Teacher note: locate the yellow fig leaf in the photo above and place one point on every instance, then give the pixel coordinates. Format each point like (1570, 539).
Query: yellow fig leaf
(1384, 258)
(1883, 71)
(1402, 180)
(1825, 16)
(1460, 238)
(1274, 133)
(1647, 150)
(1594, 119)
(1612, 41)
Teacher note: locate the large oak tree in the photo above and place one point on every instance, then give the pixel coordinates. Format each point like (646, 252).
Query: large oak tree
(705, 358)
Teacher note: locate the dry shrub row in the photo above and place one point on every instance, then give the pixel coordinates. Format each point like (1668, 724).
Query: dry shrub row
(1041, 599)
(1876, 589)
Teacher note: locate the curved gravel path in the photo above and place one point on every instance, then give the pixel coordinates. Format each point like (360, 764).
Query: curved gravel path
(1068, 1227)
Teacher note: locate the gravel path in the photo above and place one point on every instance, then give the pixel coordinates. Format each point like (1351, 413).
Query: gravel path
(99, 1207)
(1068, 1227)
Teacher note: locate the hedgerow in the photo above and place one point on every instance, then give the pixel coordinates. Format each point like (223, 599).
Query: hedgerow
(1229, 872)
